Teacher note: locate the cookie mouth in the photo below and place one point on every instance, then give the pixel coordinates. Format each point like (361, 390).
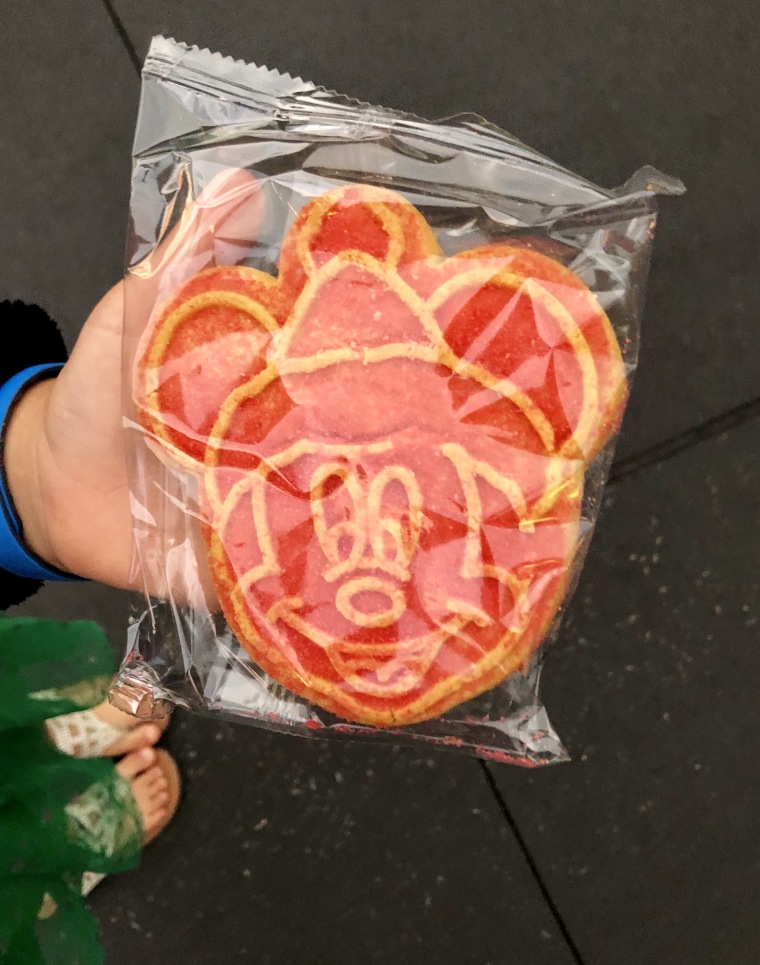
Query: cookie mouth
(377, 668)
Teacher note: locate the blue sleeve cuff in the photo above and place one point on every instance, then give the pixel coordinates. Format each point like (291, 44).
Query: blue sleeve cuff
(14, 556)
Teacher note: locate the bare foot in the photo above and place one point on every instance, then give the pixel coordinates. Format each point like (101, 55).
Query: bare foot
(136, 734)
(103, 731)
(154, 791)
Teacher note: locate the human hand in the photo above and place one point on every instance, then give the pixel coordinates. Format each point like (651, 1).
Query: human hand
(65, 452)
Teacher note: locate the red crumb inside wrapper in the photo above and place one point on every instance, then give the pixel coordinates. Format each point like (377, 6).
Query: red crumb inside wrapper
(390, 449)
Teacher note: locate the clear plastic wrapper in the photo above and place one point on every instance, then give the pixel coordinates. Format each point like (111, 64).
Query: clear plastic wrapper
(374, 371)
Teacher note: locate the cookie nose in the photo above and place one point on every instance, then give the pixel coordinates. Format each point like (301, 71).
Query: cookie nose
(369, 601)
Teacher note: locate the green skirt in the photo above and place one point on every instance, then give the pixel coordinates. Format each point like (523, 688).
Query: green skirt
(59, 816)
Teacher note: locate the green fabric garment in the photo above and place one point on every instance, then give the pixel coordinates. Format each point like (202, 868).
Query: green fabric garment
(59, 816)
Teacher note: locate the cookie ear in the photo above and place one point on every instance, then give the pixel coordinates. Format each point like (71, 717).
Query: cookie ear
(208, 340)
(518, 316)
(355, 218)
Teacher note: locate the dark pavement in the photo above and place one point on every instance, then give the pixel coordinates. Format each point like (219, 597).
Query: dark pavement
(646, 848)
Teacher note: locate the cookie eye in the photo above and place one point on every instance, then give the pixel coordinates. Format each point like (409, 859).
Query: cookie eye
(339, 517)
(395, 517)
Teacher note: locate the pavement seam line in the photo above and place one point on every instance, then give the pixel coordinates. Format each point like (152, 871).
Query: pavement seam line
(121, 30)
(621, 468)
(668, 448)
(550, 903)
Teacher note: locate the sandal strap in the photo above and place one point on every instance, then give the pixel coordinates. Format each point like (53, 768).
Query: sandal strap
(89, 880)
(83, 733)
(49, 906)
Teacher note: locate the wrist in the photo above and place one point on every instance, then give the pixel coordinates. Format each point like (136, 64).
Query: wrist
(26, 546)
(23, 440)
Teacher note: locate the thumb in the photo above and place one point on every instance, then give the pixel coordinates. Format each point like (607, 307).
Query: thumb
(218, 228)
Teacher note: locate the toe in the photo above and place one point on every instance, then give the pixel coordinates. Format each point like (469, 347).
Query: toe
(157, 792)
(136, 763)
(145, 735)
(150, 782)
(153, 820)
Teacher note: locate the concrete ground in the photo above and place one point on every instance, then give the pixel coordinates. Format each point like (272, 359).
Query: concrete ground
(645, 849)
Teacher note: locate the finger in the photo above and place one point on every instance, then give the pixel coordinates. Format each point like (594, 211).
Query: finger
(218, 228)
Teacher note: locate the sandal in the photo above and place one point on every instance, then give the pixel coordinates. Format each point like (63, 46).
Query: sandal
(170, 772)
(85, 734)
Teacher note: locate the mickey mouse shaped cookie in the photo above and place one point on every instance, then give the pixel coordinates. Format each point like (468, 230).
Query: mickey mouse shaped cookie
(390, 448)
